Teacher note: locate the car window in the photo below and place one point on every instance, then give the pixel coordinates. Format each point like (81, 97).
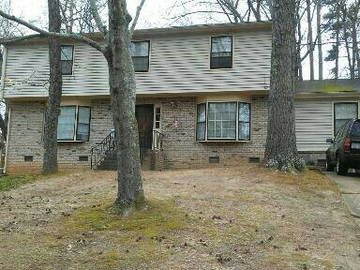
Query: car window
(355, 130)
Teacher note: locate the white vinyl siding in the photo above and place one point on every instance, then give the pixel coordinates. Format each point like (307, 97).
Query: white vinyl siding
(315, 123)
(178, 64)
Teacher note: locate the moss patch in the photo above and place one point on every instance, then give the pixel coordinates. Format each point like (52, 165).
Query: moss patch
(143, 237)
(334, 88)
(309, 181)
(12, 182)
(159, 216)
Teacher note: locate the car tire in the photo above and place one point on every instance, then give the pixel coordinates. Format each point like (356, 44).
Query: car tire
(341, 169)
(329, 167)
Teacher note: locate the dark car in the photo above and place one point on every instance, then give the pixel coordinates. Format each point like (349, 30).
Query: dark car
(344, 152)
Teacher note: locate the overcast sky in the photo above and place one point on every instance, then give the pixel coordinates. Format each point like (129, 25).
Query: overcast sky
(153, 14)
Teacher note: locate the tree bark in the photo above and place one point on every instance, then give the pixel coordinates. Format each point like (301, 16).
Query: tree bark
(310, 39)
(337, 49)
(281, 152)
(319, 34)
(123, 98)
(55, 90)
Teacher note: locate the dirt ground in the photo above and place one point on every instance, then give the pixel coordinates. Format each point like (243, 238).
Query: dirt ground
(221, 218)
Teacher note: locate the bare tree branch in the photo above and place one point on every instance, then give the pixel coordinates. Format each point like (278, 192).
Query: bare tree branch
(95, 12)
(138, 11)
(76, 37)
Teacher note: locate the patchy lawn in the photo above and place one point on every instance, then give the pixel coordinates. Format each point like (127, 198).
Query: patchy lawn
(222, 218)
(12, 182)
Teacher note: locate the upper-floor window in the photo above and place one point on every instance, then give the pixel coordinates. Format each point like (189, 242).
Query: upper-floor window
(223, 121)
(343, 113)
(67, 59)
(140, 51)
(221, 52)
(74, 123)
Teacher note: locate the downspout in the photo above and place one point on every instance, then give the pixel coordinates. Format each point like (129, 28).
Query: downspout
(3, 74)
(2, 89)
(7, 141)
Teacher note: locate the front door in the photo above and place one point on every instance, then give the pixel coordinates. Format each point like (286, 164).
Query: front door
(145, 118)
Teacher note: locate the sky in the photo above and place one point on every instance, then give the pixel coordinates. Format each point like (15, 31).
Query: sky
(154, 14)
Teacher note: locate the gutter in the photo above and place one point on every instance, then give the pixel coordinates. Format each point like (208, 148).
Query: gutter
(2, 86)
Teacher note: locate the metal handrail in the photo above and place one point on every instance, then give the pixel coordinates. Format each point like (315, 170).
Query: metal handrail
(158, 137)
(100, 150)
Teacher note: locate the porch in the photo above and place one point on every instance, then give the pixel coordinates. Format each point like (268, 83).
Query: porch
(103, 154)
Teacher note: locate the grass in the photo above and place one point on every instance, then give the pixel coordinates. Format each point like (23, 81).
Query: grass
(13, 182)
(137, 239)
(307, 181)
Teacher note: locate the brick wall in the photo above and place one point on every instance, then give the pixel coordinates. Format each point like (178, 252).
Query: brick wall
(178, 124)
(26, 132)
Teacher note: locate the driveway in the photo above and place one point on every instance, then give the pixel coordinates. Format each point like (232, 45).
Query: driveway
(350, 189)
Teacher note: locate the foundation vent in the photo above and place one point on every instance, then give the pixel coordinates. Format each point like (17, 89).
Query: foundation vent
(28, 158)
(83, 158)
(254, 160)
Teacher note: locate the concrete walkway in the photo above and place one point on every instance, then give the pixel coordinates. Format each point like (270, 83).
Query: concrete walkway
(350, 189)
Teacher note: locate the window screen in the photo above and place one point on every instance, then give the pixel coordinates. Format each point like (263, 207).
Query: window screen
(222, 120)
(66, 123)
(343, 113)
(221, 52)
(67, 57)
(83, 126)
(74, 123)
(201, 122)
(244, 121)
(140, 55)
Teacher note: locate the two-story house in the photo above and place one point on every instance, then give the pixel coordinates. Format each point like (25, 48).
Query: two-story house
(201, 98)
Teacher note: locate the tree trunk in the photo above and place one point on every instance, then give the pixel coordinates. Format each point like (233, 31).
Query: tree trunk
(55, 89)
(319, 34)
(123, 98)
(337, 50)
(310, 39)
(281, 152)
(298, 67)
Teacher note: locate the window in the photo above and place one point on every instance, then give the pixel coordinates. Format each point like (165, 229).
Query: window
(221, 52)
(74, 123)
(201, 122)
(157, 115)
(244, 121)
(343, 113)
(67, 59)
(140, 55)
(223, 121)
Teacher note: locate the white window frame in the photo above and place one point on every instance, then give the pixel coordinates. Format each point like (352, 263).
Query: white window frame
(149, 54)
(76, 124)
(237, 122)
(155, 108)
(334, 112)
(232, 51)
(73, 59)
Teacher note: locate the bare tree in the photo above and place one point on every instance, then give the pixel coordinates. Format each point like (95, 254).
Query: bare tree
(50, 164)
(77, 15)
(115, 48)
(310, 38)
(319, 34)
(281, 152)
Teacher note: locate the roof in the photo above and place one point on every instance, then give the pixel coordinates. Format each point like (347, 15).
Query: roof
(328, 88)
(180, 30)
